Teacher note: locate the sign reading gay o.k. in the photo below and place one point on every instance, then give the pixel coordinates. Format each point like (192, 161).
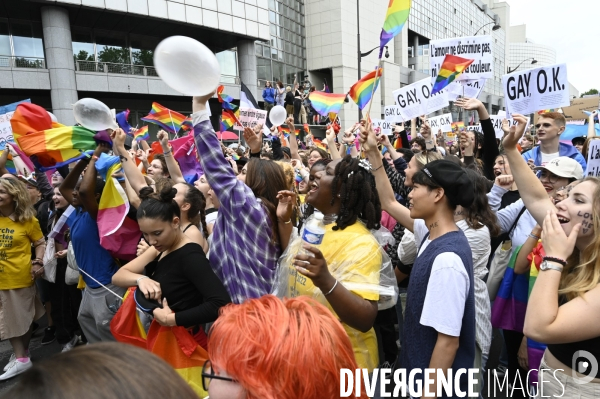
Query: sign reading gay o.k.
(529, 91)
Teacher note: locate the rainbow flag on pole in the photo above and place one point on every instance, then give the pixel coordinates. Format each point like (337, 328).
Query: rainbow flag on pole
(361, 91)
(287, 130)
(141, 134)
(225, 99)
(122, 118)
(395, 18)
(451, 68)
(326, 103)
(169, 120)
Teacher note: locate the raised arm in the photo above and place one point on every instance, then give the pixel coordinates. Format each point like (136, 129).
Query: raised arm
(330, 136)
(293, 142)
(532, 192)
(591, 126)
(385, 140)
(384, 188)
(133, 174)
(3, 160)
(68, 185)
(522, 263)
(87, 189)
(172, 165)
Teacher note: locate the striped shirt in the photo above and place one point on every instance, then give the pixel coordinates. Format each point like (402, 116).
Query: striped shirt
(243, 254)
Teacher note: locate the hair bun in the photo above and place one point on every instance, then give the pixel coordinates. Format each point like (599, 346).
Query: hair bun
(146, 192)
(168, 194)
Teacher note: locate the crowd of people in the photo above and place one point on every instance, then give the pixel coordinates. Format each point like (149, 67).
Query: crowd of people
(442, 240)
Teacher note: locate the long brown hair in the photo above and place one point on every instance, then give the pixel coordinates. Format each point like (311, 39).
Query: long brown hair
(266, 179)
(582, 273)
(480, 214)
(103, 370)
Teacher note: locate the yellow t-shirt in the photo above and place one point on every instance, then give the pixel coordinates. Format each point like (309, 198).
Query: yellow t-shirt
(15, 252)
(353, 257)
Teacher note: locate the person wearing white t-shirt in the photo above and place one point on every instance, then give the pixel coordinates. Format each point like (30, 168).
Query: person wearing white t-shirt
(549, 127)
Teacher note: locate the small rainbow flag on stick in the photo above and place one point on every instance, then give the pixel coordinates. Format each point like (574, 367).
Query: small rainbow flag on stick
(326, 103)
(141, 134)
(395, 18)
(361, 91)
(169, 120)
(228, 119)
(225, 99)
(287, 130)
(452, 67)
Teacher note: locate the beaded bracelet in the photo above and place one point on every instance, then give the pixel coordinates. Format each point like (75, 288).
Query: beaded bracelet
(556, 260)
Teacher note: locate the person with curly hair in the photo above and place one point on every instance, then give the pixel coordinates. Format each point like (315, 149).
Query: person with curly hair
(344, 271)
(19, 303)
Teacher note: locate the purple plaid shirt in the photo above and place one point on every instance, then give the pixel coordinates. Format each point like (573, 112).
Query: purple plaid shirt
(242, 253)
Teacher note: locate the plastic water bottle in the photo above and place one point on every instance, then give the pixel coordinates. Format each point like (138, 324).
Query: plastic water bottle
(313, 232)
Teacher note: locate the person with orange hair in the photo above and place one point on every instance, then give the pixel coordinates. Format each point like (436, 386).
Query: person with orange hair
(269, 348)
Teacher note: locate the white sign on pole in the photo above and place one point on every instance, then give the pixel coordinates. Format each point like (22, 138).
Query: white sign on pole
(465, 88)
(476, 128)
(497, 122)
(593, 161)
(392, 114)
(415, 100)
(477, 48)
(536, 89)
(251, 117)
(385, 126)
(442, 122)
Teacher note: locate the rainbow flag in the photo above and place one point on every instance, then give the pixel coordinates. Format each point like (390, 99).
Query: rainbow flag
(361, 91)
(451, 68)
(225, 99)
(545, 111)
(395, 18)
(228, 118)
(458, 127)
(326, 103)
(174, 345)
(287, 130)
(397, 143)
(306, 128)
(118, 234)
(510, 304)
(169, 120)
(141, 134)
(184, 152)
(187, 125)
(121, 118)
(535, 350)
(319, 144)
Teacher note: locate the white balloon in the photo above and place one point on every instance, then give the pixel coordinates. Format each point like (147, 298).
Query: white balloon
(93, 114)
(186, 65)
(277, 115)
(52, 116)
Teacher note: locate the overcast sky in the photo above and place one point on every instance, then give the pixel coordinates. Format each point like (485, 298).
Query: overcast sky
(572, 28)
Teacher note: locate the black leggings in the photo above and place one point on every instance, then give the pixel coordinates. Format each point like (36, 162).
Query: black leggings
(297, 106)
(65, 305)
(513, 341)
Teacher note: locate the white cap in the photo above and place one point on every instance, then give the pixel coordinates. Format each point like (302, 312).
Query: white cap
(563, 167)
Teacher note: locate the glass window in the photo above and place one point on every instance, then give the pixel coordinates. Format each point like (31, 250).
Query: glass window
(4, 39)
(27, 39)
(273, 30)
(228, 62)
(272, 17)
(112, 47)
(266, 52)
(83, 45)
(278, 71)
(142, 50)
(271, 4)
(258, 49)
(263, 69)
(274, 53)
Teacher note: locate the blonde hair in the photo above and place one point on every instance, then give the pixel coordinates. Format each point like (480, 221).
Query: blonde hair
(23, 207)
(582, 273)
(424, 157)
(288, 88)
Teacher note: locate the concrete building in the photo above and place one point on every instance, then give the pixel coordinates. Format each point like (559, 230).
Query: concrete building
(333, 28)
(55, 52)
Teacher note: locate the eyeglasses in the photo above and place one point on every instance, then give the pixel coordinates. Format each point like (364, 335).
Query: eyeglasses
(551, 177)
(208, 374)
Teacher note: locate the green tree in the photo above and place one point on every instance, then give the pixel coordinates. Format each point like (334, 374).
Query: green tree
(589, 92)
(143, 57)
(83, 56)
(115, 55)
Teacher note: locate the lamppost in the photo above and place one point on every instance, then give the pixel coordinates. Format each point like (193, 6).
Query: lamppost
(495, 27)
(509, 70)
(358, 52)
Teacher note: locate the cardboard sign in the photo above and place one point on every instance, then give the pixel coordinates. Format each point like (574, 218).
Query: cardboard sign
(527, 92)
(442, 122)
(415, 100)
(477, 48)
(465, 88)
(576, 110)
(251, 117)
(385, 126)
(392, 114)
(593, 161)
